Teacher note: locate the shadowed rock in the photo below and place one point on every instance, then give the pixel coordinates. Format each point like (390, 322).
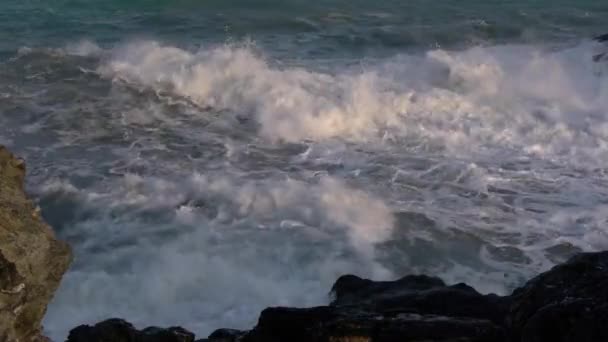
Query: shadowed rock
(226, 335)
(602, 38)
(418, 294)
(567, 303)
(413, 308)
(117, 330)
(325, 324)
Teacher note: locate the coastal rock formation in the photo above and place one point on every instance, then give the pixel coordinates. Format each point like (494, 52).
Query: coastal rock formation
(567, 303)
(117, 330)
(32, 260)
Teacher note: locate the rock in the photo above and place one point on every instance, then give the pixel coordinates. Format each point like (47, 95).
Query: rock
(419, 294)
(576, 320)
(602, 38)
(413, 308)
(118, 330)
(32, 260)
(325, 324)
(567, 303)
(226, 335)
(350, 289)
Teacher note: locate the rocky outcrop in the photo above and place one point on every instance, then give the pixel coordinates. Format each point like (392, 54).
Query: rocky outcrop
(117, 330)
(32, 260)
(418, 294)
(567, 303)
(413, 308)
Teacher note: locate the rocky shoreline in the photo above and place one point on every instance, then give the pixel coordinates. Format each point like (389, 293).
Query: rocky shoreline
(567, 303)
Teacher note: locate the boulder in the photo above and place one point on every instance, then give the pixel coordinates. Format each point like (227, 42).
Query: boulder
(419, 294)
(413, 308)
(118, 330)
(330, 324)
(567, 303)
(226, 335)
(32, 260)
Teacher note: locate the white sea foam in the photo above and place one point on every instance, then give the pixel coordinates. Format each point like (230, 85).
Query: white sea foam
(83, 48)
(542, 103)
(228, 250)
(499, 151)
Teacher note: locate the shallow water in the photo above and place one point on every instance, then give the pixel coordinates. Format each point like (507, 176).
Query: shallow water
(208, 160)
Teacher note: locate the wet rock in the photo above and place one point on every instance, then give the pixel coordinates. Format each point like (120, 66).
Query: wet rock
(413, 308)
(567, 303)
(350, 289)
(226, 335)
(118, 330)
(419, 294)
(571, 320)
(602, 38)
(325, 324)
(32, 260)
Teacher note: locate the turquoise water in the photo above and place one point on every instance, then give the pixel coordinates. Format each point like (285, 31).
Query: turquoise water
(207, 159)
(301, 29)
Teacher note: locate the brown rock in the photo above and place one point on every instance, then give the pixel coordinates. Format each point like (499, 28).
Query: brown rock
(32, 260)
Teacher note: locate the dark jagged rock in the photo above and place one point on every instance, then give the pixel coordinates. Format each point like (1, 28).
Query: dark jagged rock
(567, 303)
(350, 289)
(413, 308)
(32, 260)
(419, 294)
(118, 330)
(226, 335)
(325, 324)
(576, 320)
(602, 38)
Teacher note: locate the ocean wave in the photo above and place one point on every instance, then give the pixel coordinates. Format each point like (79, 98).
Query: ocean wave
(546, 104)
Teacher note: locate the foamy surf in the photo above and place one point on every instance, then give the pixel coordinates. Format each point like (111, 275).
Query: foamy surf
(547, 104)
(200, 186)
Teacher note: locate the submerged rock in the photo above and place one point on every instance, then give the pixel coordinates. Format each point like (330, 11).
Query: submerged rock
(32, 260)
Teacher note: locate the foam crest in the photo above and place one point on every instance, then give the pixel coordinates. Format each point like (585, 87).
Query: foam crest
(542, 103)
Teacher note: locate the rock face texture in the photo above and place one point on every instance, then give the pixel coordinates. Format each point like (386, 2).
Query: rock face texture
(32, 260)
(413, 308)
(117, 330)
(568, 303)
